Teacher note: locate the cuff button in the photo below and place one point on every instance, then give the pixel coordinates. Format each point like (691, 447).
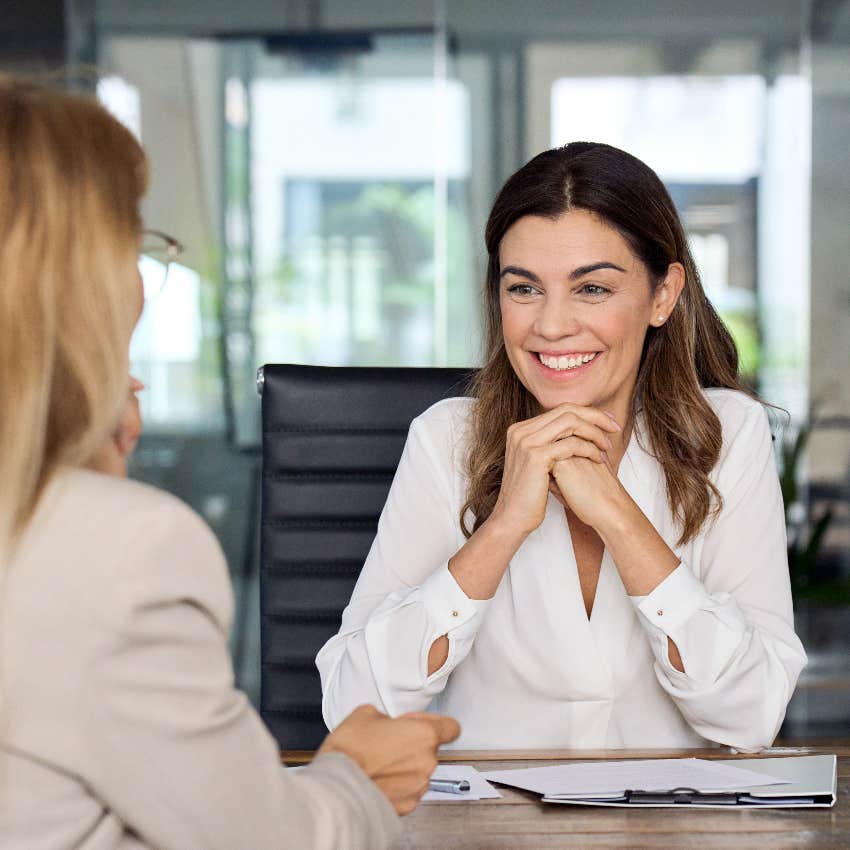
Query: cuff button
(455, 614)
(660, 612)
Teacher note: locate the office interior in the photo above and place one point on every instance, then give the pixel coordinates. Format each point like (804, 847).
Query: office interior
(330, 166)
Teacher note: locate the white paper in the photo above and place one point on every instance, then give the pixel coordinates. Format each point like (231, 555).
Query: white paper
(479, 788)
(612, 778)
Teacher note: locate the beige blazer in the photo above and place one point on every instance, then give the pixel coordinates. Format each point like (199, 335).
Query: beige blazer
(119, 722)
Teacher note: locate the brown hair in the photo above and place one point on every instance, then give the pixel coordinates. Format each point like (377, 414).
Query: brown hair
(71, 179)
(691, 350)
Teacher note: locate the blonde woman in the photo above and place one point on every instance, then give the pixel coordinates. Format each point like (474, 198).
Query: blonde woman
(119, 723)
(590, 552)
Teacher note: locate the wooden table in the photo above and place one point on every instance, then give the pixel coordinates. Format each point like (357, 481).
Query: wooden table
(520, 820)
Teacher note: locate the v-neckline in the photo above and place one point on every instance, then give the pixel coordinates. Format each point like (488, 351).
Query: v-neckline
(598, 566)
(605, 563)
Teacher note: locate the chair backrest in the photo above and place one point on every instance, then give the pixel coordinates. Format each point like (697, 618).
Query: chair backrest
(332, 438)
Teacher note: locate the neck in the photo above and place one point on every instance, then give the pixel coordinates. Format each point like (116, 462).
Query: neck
(624, 415)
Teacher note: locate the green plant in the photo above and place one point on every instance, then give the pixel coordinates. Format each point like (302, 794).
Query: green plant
(805, 535)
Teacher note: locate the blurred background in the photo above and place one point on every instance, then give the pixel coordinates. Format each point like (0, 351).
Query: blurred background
(330, 165)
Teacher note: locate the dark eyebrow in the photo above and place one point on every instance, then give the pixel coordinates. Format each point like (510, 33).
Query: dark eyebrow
(581, 271)
(519, 273)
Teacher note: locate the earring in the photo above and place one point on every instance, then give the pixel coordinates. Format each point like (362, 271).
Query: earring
(661, 320)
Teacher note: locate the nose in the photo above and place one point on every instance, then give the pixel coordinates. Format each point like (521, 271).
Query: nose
(557, 319)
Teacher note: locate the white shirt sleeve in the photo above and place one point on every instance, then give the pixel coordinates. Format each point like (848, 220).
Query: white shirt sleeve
(734, 628)
(405, 597)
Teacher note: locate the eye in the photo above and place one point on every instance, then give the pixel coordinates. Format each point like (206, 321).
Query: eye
(594, 290)
(522, 290)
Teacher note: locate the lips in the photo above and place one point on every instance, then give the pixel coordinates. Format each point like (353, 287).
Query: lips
(557, 375)
(562, 362)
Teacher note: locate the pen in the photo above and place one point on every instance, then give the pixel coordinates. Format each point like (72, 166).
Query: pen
(449, 786)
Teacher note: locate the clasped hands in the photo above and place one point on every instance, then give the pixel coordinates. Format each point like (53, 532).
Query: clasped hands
(564, 451)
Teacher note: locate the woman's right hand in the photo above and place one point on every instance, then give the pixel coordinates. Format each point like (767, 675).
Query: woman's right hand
(532, 449)
(397, 754)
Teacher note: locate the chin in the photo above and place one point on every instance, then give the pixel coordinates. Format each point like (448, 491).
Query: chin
(549, 399)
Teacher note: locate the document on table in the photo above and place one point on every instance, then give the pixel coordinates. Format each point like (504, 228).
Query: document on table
(610, 779)
(479, 788)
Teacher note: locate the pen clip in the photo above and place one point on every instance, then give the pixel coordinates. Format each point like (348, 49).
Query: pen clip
(682, 796)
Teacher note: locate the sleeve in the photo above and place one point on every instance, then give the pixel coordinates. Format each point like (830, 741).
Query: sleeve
(734, 628)
(173, 748)
(405, 597)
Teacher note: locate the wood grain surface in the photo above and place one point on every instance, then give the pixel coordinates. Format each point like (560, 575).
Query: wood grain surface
(520, 820)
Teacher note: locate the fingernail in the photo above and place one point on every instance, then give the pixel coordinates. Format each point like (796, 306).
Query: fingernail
(610, 444)
(611, 417)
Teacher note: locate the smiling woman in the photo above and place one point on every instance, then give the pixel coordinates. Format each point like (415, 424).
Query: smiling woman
(590, 552)
(574, 328)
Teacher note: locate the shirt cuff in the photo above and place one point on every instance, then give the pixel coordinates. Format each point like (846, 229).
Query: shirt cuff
(449, 609)
(674, 601)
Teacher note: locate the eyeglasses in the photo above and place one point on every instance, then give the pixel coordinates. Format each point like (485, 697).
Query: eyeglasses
(158, 252)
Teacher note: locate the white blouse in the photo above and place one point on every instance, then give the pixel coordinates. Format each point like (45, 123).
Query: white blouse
(527, 668)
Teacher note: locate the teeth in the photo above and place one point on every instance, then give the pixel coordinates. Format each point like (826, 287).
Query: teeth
(563, 362)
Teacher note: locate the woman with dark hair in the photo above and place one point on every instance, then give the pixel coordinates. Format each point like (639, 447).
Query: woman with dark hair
(590, 551)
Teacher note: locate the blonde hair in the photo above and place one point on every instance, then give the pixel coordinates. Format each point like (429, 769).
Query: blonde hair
(71, 179)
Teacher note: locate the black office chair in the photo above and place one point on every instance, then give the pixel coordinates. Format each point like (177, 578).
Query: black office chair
(332, 438)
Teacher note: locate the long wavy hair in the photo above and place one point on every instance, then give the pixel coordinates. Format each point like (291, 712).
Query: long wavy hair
(690, 351)
(71, 179)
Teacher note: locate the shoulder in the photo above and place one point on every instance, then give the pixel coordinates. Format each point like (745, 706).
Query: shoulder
(747, 440)
(733, 406)
(444, 427)
(125, 508)
(446, 413)
(739, 414)
(134, 538)
(436, 444)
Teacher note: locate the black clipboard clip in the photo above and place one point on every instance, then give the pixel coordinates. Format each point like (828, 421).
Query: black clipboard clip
(683, 796)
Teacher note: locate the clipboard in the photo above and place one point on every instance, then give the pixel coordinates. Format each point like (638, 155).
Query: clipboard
(810, 782)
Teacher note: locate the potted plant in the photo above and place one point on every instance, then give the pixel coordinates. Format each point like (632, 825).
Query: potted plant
(821, 704)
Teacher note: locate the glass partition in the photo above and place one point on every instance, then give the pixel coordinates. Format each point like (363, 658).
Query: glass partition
(346, 224)
(330, 171)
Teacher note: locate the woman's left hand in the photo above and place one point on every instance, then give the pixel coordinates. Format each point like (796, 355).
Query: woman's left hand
(590, 490)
